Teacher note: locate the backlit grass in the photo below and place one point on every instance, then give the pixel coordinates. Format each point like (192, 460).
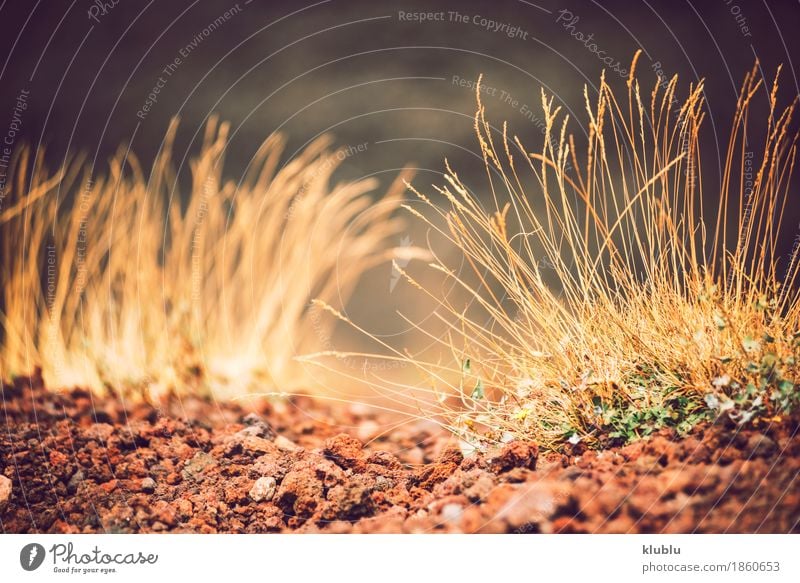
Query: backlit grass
(609, 294)
(123, 281)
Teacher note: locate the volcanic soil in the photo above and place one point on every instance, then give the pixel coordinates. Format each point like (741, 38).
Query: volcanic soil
(73, 462)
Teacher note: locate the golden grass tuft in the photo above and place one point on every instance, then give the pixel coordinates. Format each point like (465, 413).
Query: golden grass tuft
(121, 282)
(605, 301)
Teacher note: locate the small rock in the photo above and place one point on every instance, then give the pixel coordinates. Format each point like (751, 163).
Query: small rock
(759, 445)
(285, 444)
(256, 444)
(383, 483)
(452, 513)
(450, 455)
(173, 478)
(531, 504)
(99, 432)
(385, 459)
(257, 427)
(516, 475)
(350, 501)
(517, 454)
(368, 430)
(184, 507)
(426, 477)
(5, 492)
(300, 492)
(345, 451)
(480, 489)
(75, 481)
(415, 456)
(197, 465)
(58, 459)
(252, 419)
(263, 489)
(360, 409)
(163, 512)
(148, 485)
(267, 465)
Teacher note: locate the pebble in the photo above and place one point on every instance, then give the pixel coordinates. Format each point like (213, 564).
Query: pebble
(256, 444)
(345, 451)
(480, 489)
(533, 503)
(263, 489)
(257, 427)
(75, 482)
(148, 485)
(415, 456)
(383, 483)
(109, 486)
(197, 465)
(452, 513)
(368, 430)
(184, 507)
(285, 444)
(5, 492)
(100, 432)
(517, 454)
(360, 409)
(759, 445)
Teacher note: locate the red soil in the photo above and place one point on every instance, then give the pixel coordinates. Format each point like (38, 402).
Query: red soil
(72, 462)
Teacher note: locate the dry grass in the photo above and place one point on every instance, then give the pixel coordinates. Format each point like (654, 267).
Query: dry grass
(122, 282)
(604, 300)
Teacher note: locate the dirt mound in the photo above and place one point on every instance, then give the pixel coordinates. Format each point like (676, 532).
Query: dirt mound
(78, 463)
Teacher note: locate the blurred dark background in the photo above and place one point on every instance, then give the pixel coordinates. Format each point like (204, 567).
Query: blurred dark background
(360, 69)
(370, 72)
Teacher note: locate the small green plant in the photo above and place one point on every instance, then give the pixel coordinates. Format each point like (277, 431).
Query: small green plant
(630, 421)
(768, 388)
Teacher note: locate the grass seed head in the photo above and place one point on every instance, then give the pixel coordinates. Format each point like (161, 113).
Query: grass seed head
(122, 281)
(608, 294)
